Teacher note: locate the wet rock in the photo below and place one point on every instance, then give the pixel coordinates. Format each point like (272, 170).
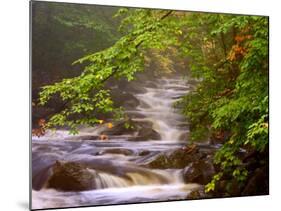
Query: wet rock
(119, 128)
(183, 125)
(200, 171)
(136, 87)
(124, 99)
(194, 195)
(144, 153)
(192, 82)
(117, 151)
(83, 138)
(139, 131)
(131, 103)
(135, 115)
(161, 162)
(89, 137)
(183, 137)
(198, 194)
(146, 133)
(71, 176)
(179, 158)
(132, 86)
(151, 84)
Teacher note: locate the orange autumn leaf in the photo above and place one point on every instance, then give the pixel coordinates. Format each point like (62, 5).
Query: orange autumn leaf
(109, 125)
(42, 122)
(236, 51)
(239, 38)
(41, 130)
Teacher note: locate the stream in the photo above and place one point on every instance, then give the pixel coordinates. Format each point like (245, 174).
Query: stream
(118, 163)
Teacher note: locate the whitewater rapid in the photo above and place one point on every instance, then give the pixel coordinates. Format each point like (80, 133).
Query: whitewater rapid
(140, 184)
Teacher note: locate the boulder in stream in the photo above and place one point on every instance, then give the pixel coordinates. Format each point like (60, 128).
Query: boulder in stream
(137, 130)
(120, 151)
(198, 193)
(200, 171)
(179, 158)
(146, 133)
(119, 128)
(124, 99)
(71, 176)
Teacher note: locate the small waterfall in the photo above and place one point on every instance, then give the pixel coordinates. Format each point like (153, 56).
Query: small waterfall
(136, 177)
(118, 175)
(105, 180)
(157, 105)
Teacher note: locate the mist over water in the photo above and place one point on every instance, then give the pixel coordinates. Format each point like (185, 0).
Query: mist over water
(120, 177)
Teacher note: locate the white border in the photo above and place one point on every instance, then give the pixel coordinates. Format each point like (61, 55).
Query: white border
(14, 129)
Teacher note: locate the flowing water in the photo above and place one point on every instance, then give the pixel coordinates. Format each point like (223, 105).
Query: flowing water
(118, 164)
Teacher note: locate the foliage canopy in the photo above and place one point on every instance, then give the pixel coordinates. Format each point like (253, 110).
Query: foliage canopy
(227, 55)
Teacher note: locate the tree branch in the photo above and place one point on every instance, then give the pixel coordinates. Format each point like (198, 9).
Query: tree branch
(167, 14)
(65, 104)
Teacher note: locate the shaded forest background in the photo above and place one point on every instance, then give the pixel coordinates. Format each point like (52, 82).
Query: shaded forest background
(61, 34)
